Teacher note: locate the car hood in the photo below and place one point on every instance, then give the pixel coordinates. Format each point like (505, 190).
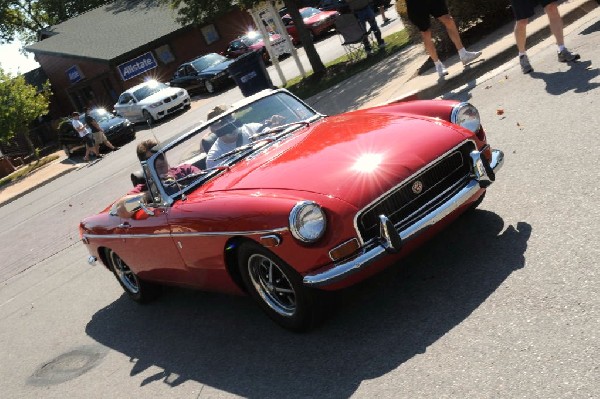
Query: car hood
(167, 92)
(354, 157)
(107, 124)
(215, 69)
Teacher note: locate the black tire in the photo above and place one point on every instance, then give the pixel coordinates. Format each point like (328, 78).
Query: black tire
(138, 290)
(209, 86)
(148, 117)
(277, 288)
(67, 150)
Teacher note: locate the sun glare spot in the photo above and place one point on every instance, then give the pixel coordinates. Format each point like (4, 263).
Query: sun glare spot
(367, 163)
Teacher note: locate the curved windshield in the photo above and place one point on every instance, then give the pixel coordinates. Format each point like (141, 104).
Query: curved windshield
(208, 61)
(149, 89)
(231, 136)
(251, 38)
(101, 115)
(309, 12)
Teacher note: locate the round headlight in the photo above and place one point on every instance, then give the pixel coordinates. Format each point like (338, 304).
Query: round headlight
(467, 116)
(307, 221)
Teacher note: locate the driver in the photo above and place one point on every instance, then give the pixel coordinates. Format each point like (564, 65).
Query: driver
(231, 135)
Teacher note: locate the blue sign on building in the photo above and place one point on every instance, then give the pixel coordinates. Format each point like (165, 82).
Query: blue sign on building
(74, 74)
(137, 66)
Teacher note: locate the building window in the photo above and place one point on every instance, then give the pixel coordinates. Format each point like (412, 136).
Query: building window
(210, 34)
(164, 54)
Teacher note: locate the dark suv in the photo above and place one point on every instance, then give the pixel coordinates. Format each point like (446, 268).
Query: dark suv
(116, 129)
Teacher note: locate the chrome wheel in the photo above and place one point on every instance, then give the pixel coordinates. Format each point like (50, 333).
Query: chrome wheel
(148, 117)
(210, 87)
(126, 277)
(272, 284)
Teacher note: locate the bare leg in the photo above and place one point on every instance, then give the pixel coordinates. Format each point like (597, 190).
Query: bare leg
(450, 25)
(556, 23)
(429, 46)
(521, 34)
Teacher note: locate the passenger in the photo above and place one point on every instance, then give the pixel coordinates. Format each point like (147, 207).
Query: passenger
(144, 151)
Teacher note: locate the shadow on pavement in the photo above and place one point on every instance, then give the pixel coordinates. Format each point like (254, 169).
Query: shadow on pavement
(229, 344)
(579, 81)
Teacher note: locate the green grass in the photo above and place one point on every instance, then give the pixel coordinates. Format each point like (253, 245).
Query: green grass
(24, 171)
(340, 69)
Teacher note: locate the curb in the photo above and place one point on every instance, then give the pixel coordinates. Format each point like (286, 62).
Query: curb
(35, 187)
(495, 60)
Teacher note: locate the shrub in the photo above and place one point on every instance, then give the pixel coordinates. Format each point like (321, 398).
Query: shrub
(474, 19)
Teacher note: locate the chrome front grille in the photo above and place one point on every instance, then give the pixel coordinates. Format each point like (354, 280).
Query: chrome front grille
(404, 207)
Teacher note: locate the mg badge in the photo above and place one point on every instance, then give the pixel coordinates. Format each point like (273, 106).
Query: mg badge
(417, 187)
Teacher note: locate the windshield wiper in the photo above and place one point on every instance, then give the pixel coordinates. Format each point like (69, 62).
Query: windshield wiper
(245, 147)
(278, 129)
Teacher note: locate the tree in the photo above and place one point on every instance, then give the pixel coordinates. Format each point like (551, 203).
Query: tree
(20, 104)
(25, 18)
(200, 12)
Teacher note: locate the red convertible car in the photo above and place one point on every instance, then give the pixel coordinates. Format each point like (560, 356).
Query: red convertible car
(312, 203)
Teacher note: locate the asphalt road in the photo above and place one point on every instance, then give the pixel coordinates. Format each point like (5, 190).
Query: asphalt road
(503, 304)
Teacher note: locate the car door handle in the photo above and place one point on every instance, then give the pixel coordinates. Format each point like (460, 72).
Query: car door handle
(124, 225)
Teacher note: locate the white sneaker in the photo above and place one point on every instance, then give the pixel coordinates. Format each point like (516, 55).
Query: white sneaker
(470, 56)
(441, 70)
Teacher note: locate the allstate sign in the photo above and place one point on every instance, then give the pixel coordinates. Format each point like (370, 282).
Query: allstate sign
(74, 74)
(137, 66)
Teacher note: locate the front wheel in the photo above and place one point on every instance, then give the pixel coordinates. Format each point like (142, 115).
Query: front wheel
(209, 86)
(148, 117)
(67, 150)
(138, 290)
(276, 287)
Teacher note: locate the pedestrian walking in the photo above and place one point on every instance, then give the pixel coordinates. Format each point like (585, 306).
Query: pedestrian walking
(419, 13)
(523, 10)
(85, 133)
(97, 133)
(364, 13)
(380, 5)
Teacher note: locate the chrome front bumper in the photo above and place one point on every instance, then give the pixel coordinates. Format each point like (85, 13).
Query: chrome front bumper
(390, 240)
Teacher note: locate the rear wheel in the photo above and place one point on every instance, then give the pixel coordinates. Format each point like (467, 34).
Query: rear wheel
(137, 289)
(276, 287)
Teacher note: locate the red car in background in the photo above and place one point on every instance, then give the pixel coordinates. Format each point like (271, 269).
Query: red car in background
(253, 41)
(316, 21)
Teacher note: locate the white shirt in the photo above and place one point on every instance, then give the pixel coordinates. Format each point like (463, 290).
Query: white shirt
(220, 147)
(80, 127)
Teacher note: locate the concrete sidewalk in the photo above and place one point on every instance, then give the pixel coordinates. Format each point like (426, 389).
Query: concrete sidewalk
(392, 78)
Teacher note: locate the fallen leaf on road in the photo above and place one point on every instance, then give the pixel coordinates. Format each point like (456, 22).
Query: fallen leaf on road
(499, 111)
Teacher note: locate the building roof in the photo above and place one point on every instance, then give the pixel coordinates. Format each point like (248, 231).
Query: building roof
(110, 31)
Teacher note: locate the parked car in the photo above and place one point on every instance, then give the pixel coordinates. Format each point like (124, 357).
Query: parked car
(318, 203)
(332, 5)
(316, 21)
(151, 101)
(116, 129)
(253, 41)
(203, 74)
